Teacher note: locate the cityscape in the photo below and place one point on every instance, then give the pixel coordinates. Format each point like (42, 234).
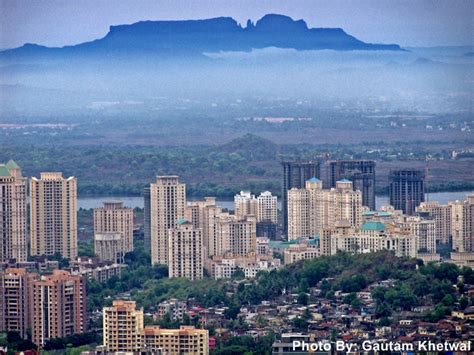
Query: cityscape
(410, 276)
(237, 177)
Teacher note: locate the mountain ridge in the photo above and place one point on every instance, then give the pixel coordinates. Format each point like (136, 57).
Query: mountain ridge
(196, 37)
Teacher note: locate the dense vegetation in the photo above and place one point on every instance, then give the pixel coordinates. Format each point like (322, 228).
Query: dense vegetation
(249, 162)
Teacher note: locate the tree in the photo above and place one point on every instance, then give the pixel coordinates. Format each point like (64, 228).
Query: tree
(303, 298)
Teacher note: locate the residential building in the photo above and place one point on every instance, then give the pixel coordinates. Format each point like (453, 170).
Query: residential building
(53, 215)
(314, 208)
(462, 229)
(267, 208)
(267, 230)
(185, 258)
(13, 230)
(122, 327)
(245, 204)
(235, 236)
(185, 340)
(93, 269)
(15, 307)
(425, 232)
(147, 218)
(362, 175)
(167, 205)
(174, 308)
(442, 217)
(295, 175)
(301, 251)
(115, 218)
(109, 247)
(406, 189)
(58, 306)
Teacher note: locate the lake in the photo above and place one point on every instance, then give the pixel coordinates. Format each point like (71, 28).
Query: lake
(94, 202)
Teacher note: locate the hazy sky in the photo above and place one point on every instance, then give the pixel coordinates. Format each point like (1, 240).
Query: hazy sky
(405, 22)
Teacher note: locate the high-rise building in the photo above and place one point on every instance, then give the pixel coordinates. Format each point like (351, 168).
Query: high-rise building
(185, 258)
(314, 208)
(167, 205)
(245, 204)
(13, 230)
(53, 215)
(407, 189)
(58, 306)
(146, 218)
(267, 208)
(185, 340)
(442, 217)
(15, 291)
(235, 236)
(462, 229)
(115, 218)
(295, 175)
(202, 214)
(109, 247)
(425, 232)
(122, 327)
(362, 175)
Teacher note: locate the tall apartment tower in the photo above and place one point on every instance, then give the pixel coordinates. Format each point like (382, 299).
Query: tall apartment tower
(115, 218)
(13, 230)
(122, 327)
(295, 175)
(235, 236)
(442, 216)
(203, 214)
(312, 209)
(407, 189)
(146, 218)
(362, 175)
(15, 290)
(185, 252)
(58, 306)
(462, 225)
(167, 205)
(109, 247)
(53, 215)
(267, 207)
(245, 204)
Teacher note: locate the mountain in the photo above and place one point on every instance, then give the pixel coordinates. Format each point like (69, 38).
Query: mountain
(196, 37)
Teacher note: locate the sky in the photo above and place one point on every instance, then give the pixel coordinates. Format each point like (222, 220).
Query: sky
(404, 22)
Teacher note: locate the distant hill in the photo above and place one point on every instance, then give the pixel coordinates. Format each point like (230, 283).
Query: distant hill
(195, 37)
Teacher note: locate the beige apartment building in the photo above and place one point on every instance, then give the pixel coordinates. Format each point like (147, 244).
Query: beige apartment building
(185, 340)
(314, 208)
(442, 217)
(109, 247)
(13, 229)
(245, 204)
(58, 306)
(267, 207)
(53, 216)
(167, 205)
(203, 214)
(122, 327)
(235, 236)
(462, 219)
(185, 258)
(15, 291)
(115, 218)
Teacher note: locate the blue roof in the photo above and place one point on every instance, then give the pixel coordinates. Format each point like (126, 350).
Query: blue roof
(373, 226)
(314, 179)
(344, 180)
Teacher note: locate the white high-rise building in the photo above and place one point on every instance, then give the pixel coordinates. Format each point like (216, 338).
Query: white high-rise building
(245, 204)
(53, 215)
(235, 236)
(442, 216)
(185, 252)
(267, 207)
(13, 230)
(167, 205)
(462, 219)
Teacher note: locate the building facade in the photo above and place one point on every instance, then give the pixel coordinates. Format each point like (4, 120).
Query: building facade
(362, 175)
(406, 189)
(109, 247)
(115, 218)
(58, 306)
(167, 205)
(13, 229)
(442, 217)
(122, 327)
(462, 230)
(53, 215)
(185, 258)
(235, 236)
(295, 175)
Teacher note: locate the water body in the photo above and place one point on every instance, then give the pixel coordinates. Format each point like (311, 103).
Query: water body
(94, 202)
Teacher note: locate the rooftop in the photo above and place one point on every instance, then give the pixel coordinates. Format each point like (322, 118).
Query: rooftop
(373, 226)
